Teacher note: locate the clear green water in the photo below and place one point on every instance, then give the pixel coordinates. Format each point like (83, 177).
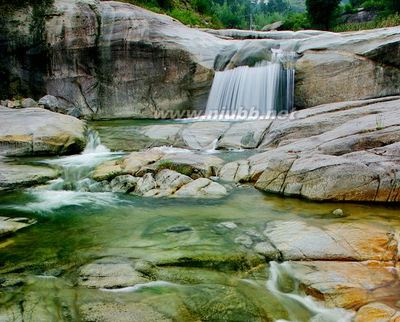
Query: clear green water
(196, 269)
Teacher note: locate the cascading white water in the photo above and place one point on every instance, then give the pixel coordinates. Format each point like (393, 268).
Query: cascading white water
(300, 307)
(253, 92)
(76, 168)
(74, 187)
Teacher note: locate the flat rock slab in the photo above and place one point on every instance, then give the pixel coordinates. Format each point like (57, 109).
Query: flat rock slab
(296, 240)
(11, 225)
(347, 284)
(35, 131)
(14, 176)
(110, 273)
(343, 152)
(207, 135)
(244, 135)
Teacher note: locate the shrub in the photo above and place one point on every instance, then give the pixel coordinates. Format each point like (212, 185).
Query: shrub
(296, 21)
(186, 17)
(390, 21)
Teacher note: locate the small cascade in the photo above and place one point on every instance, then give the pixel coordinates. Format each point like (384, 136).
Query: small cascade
(254, 92)
(300, 307)
(76, 168)
(93, 144)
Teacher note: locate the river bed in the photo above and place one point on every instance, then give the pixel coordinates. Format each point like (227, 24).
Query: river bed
(108, 256)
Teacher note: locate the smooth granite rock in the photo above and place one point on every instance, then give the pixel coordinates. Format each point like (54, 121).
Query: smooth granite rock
(35, 131)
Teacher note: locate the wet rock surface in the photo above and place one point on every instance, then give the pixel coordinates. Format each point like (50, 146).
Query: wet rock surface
(344, 151)
(154, 173)
(109, 274)
(347, 284)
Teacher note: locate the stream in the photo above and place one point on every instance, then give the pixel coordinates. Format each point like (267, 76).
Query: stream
(189, 262)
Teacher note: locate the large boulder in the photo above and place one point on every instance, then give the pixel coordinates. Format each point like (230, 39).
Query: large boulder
(34, 131)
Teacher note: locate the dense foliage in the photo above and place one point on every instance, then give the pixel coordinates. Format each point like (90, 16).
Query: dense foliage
(243, 14)
(255, 14)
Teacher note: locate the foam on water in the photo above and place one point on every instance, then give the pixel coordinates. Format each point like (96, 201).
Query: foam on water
(93, 154)
(50, 200)
(138, 287)
(74, 187)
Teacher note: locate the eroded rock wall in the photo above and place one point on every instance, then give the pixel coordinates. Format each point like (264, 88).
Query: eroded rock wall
(110, 60)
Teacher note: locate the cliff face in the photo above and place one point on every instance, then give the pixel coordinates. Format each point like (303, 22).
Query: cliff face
(108, 59)
(112, 60)
(331, 67)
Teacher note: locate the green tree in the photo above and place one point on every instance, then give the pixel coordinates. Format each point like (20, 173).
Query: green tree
(322, 12)
(393, 5)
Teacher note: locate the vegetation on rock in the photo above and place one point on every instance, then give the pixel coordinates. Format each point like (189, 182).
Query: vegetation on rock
(294, 15)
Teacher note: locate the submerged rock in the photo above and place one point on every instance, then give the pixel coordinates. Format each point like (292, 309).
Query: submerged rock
(338, 213)
(34, 131)
(123, 312)
(179, 229)
(11, 225)
(110, 273)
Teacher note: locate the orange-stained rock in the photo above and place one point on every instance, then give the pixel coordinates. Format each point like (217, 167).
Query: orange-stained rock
(377, 312)
(349, 285)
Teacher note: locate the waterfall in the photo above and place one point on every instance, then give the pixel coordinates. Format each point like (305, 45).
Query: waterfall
(300, 307)
(253, 92)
